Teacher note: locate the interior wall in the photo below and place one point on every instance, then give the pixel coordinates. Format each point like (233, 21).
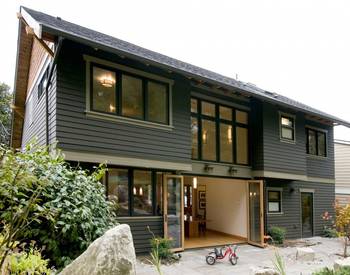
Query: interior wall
(226, 205)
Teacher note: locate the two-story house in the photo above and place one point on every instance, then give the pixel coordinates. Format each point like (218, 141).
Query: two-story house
(196, 156)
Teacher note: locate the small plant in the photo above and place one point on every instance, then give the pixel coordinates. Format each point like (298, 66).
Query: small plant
(328, 271)
(163, 246)
(329, 232)
(279, 264)
(277, 234)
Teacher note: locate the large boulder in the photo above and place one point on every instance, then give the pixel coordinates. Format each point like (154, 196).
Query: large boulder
(341, 263)
(305, 254)
(112, 253)
(263, 271)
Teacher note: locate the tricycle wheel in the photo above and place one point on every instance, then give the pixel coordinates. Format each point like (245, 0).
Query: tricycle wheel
(210, 260)
(233, 259)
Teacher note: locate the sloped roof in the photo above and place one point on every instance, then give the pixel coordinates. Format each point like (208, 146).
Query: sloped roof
(57, 26)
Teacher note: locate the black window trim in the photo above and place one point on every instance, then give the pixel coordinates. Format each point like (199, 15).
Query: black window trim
(41, 88)
(218, 121)
(293, 118)
(317, 131)
(274, 189)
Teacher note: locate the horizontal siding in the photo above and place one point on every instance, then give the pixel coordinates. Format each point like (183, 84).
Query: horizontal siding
(342, 165)
(140, 234)
(257, 136)
(324, 198)
(76, 131)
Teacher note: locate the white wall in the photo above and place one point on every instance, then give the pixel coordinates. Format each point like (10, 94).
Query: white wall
(226, 205)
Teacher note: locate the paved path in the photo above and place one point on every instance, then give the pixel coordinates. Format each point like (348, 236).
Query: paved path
(193, 261)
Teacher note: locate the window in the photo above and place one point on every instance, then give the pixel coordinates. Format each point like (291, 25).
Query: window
(287, 128)
(29, 107)
(119, 93)
(316, 143)
(219, 133)
(118, 189)
(43, 83)
(274, 201)
(142, 192)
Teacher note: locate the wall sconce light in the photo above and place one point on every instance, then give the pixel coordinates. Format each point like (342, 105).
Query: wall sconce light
(291, 190)
(229, 134)
(134, 190)
(140, 191)
(194, 182)
(205, 137)
(208, 168)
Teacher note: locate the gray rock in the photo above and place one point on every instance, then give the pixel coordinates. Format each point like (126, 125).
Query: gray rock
(263, 271)
(112, 253)
(305, 254)
(341, 263)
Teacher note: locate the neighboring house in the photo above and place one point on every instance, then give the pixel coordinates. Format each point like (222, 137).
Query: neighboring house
(189, 151)
(342, 171)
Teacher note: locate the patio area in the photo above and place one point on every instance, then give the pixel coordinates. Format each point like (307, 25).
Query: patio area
(193, 261)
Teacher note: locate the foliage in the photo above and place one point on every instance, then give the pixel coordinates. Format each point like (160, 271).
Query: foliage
(155, 255)
(329, 232)
(327, 271)
(163, 245)
(279, 264)
(278, 234)
(5, 113)
(30, 262)
(342, 223)
(72, 200)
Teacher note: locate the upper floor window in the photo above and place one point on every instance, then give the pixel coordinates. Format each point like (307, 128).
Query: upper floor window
(219, 133)
(316, 143)
(120, 93)
(287, 127)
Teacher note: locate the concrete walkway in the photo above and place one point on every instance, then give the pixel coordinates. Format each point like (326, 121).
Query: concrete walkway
(193, 261)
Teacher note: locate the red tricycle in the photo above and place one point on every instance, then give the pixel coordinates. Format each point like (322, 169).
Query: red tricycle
(221, 253)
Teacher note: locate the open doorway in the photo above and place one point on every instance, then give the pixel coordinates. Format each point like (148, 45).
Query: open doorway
(215, 211)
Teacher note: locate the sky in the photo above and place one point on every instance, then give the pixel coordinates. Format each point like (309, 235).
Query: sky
(300, 49)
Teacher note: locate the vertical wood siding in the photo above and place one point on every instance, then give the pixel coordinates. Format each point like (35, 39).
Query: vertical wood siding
(75, 131)
(324, 198)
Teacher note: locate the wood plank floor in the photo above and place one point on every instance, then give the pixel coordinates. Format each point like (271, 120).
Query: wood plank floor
(211, 238)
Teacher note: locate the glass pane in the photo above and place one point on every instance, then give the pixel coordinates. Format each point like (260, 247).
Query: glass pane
(194, 130)
(142, 192)
(312, 142)
(174, 211)
(274, 207)
(194, 105)
(103, 90)
(118, 189)
(225, 113)
(159, 179)
(287, 121)
(226, 143)
(287, 133)
(321, 150)
(241, 117)
(242, 145)
(307, 214)
(132, 97)
(254, 212)
(157, 102)
(208, 140)
(274, 195)
(208, 109)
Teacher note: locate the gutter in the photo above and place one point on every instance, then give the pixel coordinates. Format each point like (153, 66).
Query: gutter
(52, 66)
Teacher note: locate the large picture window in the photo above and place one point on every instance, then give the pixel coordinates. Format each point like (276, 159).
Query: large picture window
(142, 193)
(219, 133)
(120, 93)
(316, 142)
(118, 189)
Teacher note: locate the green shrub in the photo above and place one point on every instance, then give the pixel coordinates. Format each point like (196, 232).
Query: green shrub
(327, 271)
(73, 201)
(329, 232)
(30, 262)
(277, 234)
(163, 247)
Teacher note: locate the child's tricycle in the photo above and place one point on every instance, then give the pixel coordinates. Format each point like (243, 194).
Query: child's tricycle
(221, 253)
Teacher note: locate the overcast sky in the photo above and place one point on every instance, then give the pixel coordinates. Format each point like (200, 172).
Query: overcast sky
(300, 49)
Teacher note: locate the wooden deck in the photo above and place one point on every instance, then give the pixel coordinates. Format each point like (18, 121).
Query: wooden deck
(212, 238)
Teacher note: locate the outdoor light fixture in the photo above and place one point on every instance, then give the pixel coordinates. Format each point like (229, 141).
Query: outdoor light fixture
(194, 181)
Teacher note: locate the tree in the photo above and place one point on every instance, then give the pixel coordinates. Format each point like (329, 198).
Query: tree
(342, 223)
(5, 113)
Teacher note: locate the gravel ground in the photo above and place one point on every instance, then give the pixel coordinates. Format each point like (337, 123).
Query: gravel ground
(193, 261)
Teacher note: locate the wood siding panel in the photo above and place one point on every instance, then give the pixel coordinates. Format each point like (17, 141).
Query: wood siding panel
(342, 167)
(140, 233)
(76, 131)
(324, 198)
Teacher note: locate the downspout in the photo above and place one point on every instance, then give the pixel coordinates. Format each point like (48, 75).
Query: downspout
(52, 66)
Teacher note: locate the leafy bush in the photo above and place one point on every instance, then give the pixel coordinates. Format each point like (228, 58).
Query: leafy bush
(30, 262)
(73, 202)
(329, 232)
(327, 271)
(277, 234)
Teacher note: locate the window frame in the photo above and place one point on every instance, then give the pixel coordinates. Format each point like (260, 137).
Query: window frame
(316, 131)
(218, 120)
(274, 189)
(289, 116)
(41, 87)
(119, 69)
